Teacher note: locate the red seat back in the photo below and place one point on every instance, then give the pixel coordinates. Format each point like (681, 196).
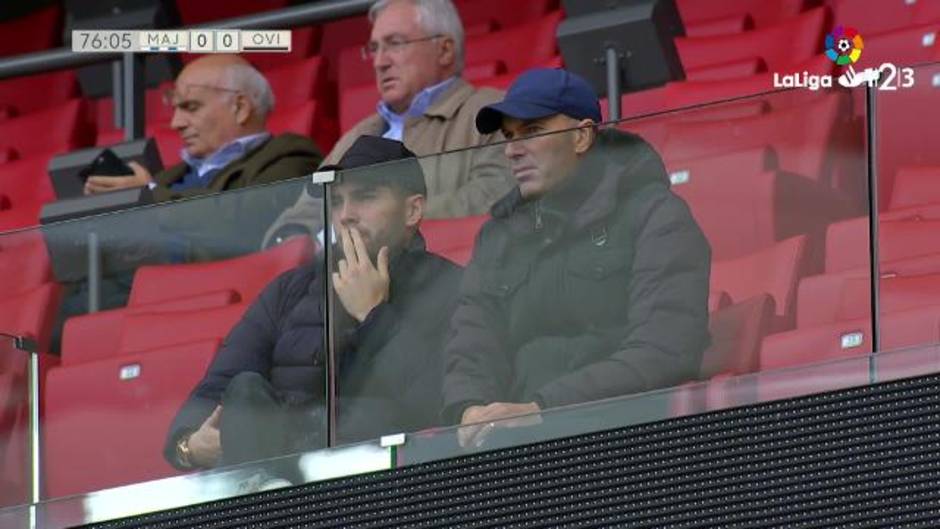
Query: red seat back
(453, 238)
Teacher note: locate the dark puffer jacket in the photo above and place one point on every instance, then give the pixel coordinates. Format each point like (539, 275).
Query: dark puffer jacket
(597, 290)
(391, 365)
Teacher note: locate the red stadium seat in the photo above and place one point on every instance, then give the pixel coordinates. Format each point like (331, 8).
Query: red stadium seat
(143, 331)
(522, 47)
(296, 83)
(775, 271)
(780, 46)
(308, 119)
(762, 12)
(870, 17)
(743, 207)
(93, 337)
(22, 95)
(37, 31)
(24, 188)
(198, 12)
(695, 92)
(31, 313)
(452, 238)
(728, 25)
(247, 274)
(737, 332)
(475, 12)
(118, 409)
(350, 32)
(24, 262)
(157, 113)
(925, 12)
(802, 137)
(907, 46)
(908, 121)
(735, 69)
(828, 299)
(847, 244)
(915, 186)
(32, 133)
(850, 337)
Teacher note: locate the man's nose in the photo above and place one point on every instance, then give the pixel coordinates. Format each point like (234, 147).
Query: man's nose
(347, 215)
(513, 149)
(381, 59)
(178, 122)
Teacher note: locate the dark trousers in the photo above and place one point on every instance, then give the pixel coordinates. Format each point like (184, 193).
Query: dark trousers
(258, 422)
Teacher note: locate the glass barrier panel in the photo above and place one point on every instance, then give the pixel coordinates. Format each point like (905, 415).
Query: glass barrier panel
(642, 255)
(16, 439)
(191, 304)
(230, 483)
(907, 123)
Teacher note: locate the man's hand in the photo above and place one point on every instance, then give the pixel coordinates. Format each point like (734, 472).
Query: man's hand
(481, 420)
(360, 285)
(103, 184)
(205, 446)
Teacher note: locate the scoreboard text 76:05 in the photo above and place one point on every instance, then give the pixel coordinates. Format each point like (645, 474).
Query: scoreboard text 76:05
(180, 41)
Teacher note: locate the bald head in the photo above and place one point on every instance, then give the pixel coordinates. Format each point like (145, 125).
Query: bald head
(219, 98)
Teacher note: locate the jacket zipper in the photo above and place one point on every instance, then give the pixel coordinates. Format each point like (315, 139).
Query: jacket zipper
(538, 215)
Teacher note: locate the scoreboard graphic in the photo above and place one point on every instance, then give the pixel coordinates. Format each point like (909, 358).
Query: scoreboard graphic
(181, 41)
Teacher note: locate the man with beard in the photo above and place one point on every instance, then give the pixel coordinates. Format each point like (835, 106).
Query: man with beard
(263, 394)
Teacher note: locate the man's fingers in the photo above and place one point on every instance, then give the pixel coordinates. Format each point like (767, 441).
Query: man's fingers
(343, 268)
(382, 262)
(362, 254)
(349, 252)
(215, 418)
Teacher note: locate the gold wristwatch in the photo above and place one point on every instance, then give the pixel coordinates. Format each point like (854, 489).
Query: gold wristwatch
(182, 451)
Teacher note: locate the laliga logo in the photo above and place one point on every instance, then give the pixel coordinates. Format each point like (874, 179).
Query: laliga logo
(844, 47)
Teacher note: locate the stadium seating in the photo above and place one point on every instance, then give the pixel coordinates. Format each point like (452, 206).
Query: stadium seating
(24, 187)
(728, 25)
(775, 270)
(762, 12)
(194, 12)
(780, 46)
(32, 134)
(21, 95)
(915, 186)
(850, 338)
(801, 136)
(903, 47)
(37, 31)
(170, 304)
(847, 243)
(871, 18)
(832, 298)
(106, 421)
(452, 238)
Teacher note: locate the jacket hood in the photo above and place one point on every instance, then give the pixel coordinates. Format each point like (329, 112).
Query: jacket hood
(617, 165)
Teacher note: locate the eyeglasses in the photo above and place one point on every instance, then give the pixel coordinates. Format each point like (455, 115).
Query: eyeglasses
(172, 97)
(393, 45)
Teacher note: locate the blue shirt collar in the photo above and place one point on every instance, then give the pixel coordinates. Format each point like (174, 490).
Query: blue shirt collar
(225, 155)
(419, 104)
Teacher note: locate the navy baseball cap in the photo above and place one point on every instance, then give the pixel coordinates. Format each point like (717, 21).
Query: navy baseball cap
(540, 93)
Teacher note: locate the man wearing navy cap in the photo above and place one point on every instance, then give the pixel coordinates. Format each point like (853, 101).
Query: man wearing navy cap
(591, 279)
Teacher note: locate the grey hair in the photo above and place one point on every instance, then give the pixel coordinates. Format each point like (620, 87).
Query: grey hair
(246, 78)
(436, 17)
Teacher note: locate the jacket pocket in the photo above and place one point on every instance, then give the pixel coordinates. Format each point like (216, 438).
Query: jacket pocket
(598, 266)
(503, 282)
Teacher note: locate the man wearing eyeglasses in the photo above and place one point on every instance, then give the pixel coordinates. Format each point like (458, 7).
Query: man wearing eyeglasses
(417, 52)
(221, 104)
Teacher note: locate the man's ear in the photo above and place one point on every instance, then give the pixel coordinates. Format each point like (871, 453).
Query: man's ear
(414, 210)
(584, 136)
(243, 109)
(447, 54)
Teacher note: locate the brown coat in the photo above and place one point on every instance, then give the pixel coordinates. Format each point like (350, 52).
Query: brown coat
(459, 184)
(280, 158)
